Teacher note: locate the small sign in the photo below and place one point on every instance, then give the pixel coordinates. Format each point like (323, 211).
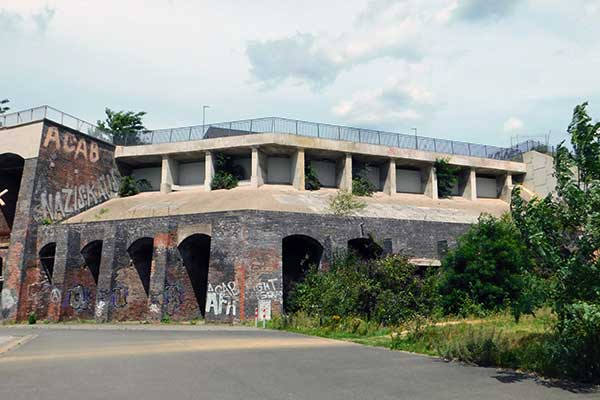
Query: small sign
(264, 310)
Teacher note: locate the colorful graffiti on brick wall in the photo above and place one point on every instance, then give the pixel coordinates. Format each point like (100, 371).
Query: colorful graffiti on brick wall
(76, 173)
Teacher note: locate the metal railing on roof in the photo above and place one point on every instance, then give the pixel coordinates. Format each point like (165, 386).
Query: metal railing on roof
(52, 114)
(323, 131)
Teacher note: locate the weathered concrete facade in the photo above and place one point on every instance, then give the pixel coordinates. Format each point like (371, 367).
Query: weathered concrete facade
(70, 250)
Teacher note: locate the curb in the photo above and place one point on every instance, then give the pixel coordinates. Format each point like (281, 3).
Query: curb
(15, 342)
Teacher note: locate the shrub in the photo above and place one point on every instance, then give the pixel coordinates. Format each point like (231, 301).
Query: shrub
(489, 270)
(388, 290)
(361, 185)
(32, 318)
(344, 203)
(447, 176)
(311, 180)
(130, 186)
(227, 175)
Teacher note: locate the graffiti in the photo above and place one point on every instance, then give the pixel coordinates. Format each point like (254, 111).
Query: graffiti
(119, 297)
(70, 144)
(8, 299)
(268, 290)
(55, 296)
(75, 199)
(221, 299)
(173, 298)
(154, 309)
(78, 298)
(100, 309)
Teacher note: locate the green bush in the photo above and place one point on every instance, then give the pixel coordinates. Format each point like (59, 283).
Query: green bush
(489, 271)
(32, 318)
(227, 175)
(130, 186)
(387, 291)
(447, 176)
(344, 203)
(311, 180)
(361, 185)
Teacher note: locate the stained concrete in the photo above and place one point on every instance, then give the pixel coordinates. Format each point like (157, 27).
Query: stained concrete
(286, 198)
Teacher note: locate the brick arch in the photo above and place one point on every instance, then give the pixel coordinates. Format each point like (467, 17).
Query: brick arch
(299, 253)
(11, 172)
(194, 252)
(47, 255)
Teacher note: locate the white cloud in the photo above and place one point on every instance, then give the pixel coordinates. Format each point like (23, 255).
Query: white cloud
(396, 103)
(513, 124)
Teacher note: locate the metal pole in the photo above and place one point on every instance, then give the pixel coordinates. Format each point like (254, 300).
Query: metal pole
(416, 139)
(204, 119)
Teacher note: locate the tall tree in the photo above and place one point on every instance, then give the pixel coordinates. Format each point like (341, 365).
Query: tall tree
(3, 107)
(125, 126)
(563, 229)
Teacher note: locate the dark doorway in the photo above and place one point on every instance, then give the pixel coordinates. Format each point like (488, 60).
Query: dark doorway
(365, 248)
(92, 255)
(11, 171)
(47, 255)
(1, 278)
(195, 253)
(299, 253)
(140, 253)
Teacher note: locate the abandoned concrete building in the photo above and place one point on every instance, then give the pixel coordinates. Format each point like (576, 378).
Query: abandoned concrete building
(71, 248)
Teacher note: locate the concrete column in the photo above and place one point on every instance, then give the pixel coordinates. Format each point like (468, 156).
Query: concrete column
(169, 174)
(209, 170)
(429, 180)
(505, 185)
(298, 178)
(470, 191)
(390, 180)
(345, 173)
(112, 243)
(259, 166)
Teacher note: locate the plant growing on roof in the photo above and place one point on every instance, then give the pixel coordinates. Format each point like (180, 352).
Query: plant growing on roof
(227, 175)
(361, 185)
(447, 176)
(311, 180)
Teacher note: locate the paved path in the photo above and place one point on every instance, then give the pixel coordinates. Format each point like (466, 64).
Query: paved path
(203, 362)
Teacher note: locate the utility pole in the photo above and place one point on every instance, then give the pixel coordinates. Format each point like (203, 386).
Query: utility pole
(204, 118)
(416, 138)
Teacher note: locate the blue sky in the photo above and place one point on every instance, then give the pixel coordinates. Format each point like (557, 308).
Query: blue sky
(476, 70)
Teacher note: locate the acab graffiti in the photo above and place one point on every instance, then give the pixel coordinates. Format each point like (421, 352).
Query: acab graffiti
(221, 299)
(79, 148)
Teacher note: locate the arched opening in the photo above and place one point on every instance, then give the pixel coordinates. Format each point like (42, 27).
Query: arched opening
(47, 255)
(140, 253)
(195, 253)
(299, 253)
(92, 255)
(365, 248)
(11, 171)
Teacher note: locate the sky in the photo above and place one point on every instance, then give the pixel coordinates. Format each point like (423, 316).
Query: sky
(485, 71)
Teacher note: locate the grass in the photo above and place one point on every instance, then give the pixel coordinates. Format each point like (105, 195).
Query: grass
(496, 340)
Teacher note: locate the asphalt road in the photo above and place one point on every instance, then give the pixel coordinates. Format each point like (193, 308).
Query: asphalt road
(204, 362)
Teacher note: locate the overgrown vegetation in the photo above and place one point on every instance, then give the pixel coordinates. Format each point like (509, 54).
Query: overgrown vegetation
(32, 318)
(489, 270)
(227, 175)
(387, 290)
(345, 203)
(311, 180)
(130, 186)
(125, 126)
(447, 176)
(563, 231)
(361, 185)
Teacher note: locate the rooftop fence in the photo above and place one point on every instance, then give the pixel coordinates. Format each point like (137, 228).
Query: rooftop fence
(279, 126)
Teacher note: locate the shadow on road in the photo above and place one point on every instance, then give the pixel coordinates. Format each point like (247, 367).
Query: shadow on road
(573, 387)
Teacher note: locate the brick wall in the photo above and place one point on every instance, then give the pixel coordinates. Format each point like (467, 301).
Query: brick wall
(245, 260)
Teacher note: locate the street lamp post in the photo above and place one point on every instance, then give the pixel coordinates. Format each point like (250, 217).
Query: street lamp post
(204, 118)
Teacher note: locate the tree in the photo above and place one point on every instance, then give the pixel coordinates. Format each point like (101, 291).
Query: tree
(488, 269)
(4, 108)
(125, 126)
(563, 230)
